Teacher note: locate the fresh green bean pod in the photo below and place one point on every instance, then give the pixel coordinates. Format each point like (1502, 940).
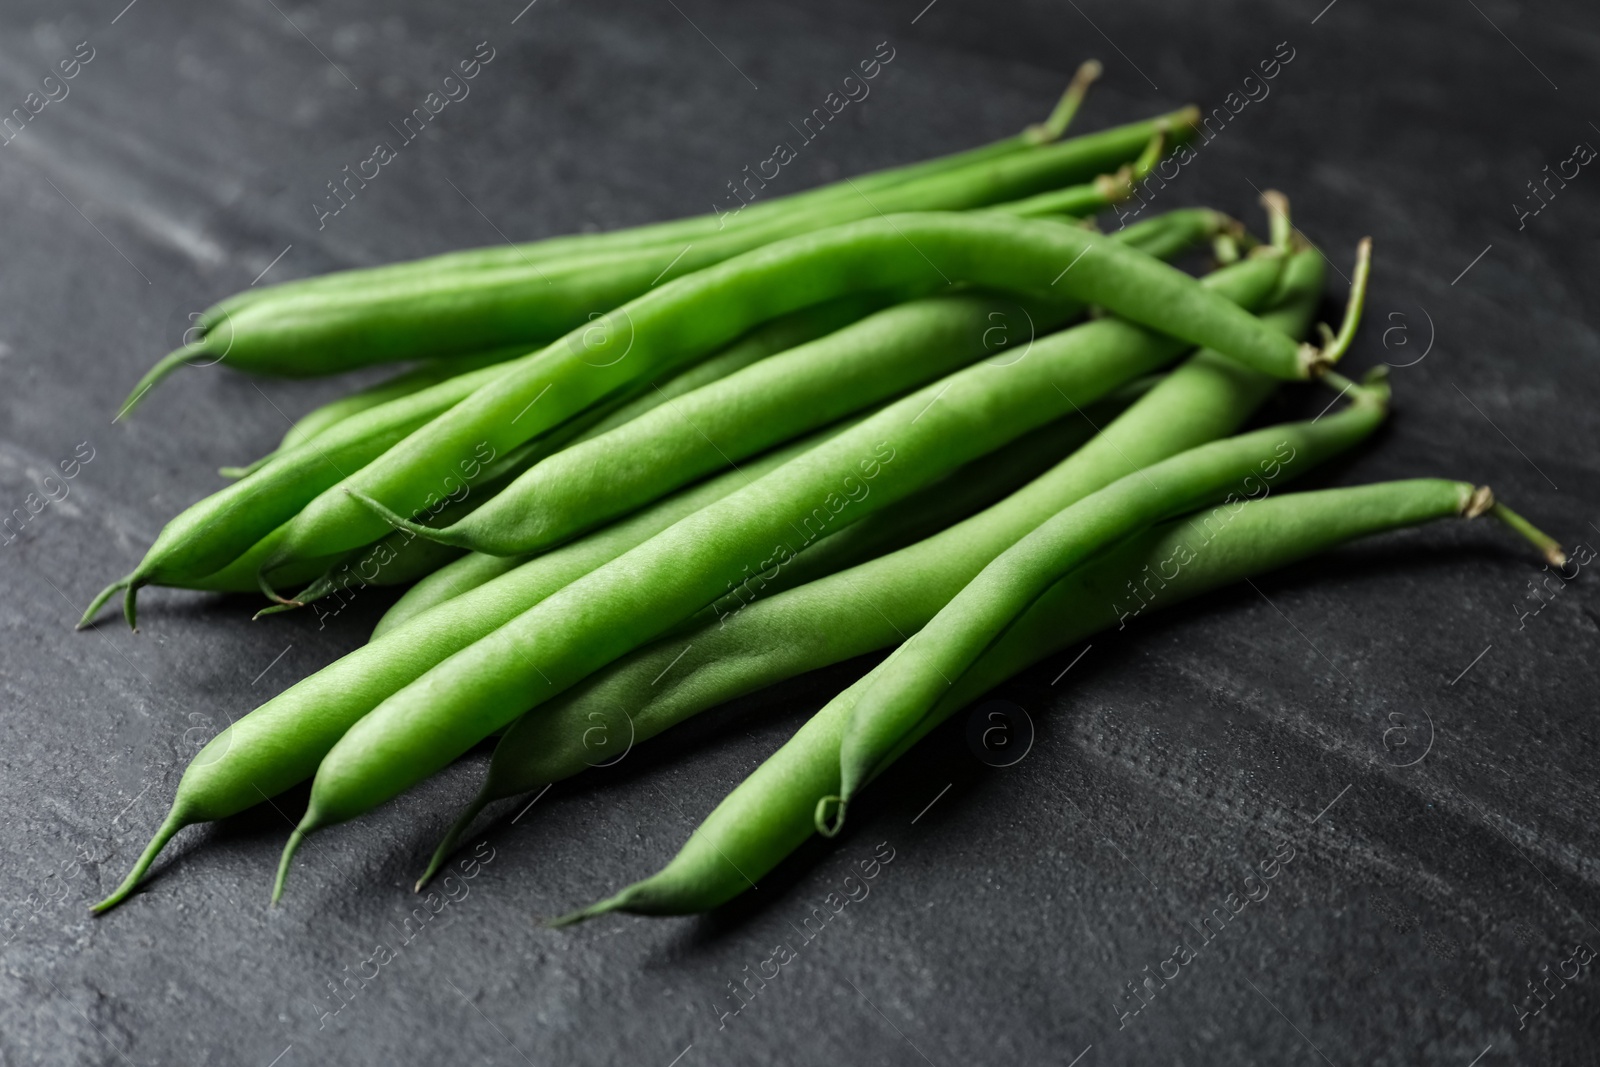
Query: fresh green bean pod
(876, 604)
(879, 357)
(694, 227)
(744, 413)
(221, 542)
(770, 814)
(280, 743)
(669, 324)
(523, 300)
(1163, 236)
(919, 673)
(726, 545)
(416, 380)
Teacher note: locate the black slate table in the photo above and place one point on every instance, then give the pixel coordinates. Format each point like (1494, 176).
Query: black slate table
(1406, 718)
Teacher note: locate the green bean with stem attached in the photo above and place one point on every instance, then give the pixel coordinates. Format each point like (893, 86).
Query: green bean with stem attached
(919, 673)
(671, 323)
(416, 316)
(280, 743)
(770, 814)
(873, 605)
(652, 588)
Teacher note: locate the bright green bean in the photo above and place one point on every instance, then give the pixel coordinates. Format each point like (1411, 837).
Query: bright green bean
(921, 671)
(280, 743)
(415, 315)
(679, 230)
(429, 374)
(873, 605)
(221, 542)
(726, 545)
(693, 314)
(744, 413)
(1164, 235)
(770, 814)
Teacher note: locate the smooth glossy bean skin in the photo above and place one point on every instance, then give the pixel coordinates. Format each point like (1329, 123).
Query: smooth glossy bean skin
(873, 605)
(577, 730)
(512, 299)
(671, 323)
(221, 542)
(880, 356)
(690, 228)
(811, 385)
(322, 418)
(770, 814)
(726, 546)
(919, 673)
(1163, 236)
(280, 743)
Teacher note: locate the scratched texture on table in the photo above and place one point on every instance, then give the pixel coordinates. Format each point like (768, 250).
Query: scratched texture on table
(1405, 716)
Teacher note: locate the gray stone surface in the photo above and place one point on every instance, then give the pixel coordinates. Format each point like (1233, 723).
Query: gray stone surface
(1168, 761)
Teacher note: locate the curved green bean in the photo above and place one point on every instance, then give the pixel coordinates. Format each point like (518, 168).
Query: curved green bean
(1163, 236)
(741, 414)
(727, 546)
(280, 743)
(667, 325)
(770, 814)
(921, 670)
(873, 605)
(413, 316)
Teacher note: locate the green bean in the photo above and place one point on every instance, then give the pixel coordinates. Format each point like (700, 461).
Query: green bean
(1162, 236)
(770, 814)
(879, 357)
(544, 751)
(280, 743)
(429, 374)
(873, 605)
(741, 414)
(922, 669)
(677, 231)
(657, 585)
(212, 533)
(669, 324)
(221, 542)
(418, 315)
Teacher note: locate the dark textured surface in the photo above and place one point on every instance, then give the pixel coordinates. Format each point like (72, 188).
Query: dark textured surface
(1168, 762)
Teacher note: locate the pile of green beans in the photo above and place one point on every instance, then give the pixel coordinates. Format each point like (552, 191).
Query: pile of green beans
(530, 294)
(918, 674)
(683, 462)
(667, 325)
(771, 813)
(222, 542)
(873, 605)
(614, 609)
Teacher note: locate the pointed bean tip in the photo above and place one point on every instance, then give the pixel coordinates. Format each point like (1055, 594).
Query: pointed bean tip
(825, 826)
(289, 849)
